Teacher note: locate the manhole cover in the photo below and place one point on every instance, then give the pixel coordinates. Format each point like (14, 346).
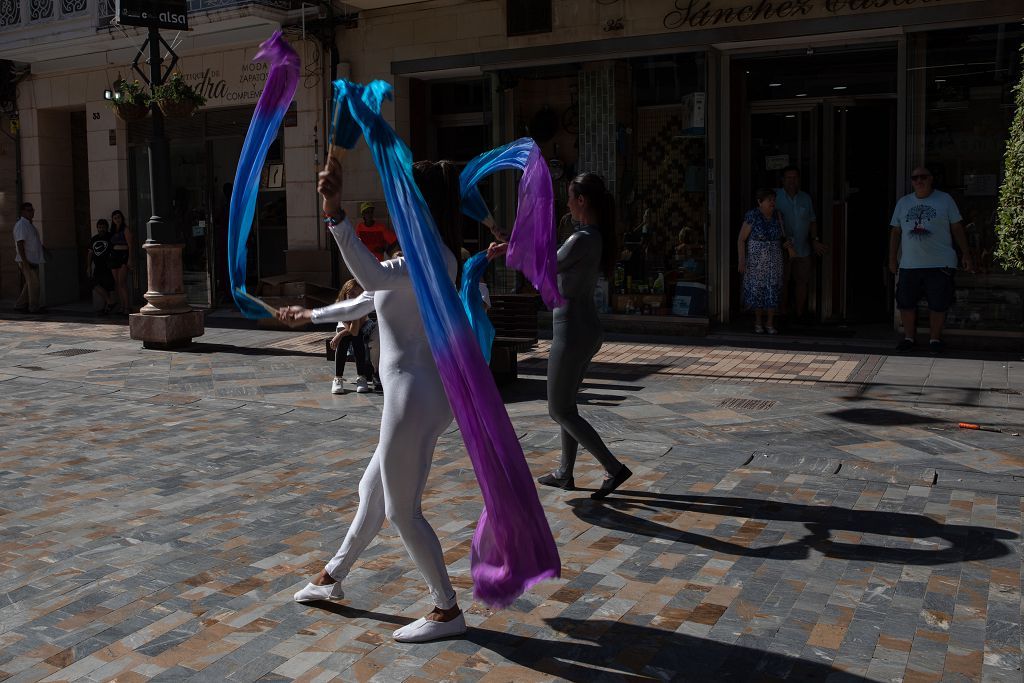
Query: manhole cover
(1008, 392)
(746, 404)
(71, 352)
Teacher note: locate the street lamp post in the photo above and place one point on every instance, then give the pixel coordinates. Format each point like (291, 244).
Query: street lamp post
(166, 321)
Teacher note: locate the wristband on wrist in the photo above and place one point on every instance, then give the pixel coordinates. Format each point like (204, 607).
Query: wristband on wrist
(334, 219)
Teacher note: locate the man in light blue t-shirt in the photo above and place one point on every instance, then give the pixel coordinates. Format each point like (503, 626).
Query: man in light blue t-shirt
(801, 226)
(923, 228)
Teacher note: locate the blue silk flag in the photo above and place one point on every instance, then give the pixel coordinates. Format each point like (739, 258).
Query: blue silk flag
(512, 547)
(469, 291)
(278, 92)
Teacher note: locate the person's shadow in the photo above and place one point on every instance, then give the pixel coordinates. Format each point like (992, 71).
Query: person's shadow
(619, 651)
(631, 512)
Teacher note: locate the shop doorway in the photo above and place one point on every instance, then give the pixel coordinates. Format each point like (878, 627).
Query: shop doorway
(834, 118)
(204, 154)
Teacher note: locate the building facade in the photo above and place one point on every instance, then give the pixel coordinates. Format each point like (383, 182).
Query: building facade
(688, 106)
(79, 160)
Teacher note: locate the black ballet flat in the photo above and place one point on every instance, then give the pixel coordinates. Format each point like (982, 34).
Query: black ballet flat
(551, 480)
(609, 485)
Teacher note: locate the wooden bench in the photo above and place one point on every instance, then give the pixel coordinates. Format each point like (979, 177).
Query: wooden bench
(514, 317)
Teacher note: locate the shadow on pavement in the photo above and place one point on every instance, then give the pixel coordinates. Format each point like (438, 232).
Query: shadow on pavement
(525, 389)
(883, 416)
(204, 348)
(617, 651)
(963, 543)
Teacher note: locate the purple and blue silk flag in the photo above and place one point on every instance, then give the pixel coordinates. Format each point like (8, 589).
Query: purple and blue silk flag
(532, 248)
(512, 547)
(277, 95)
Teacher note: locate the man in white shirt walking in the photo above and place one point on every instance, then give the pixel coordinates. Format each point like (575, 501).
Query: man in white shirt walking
(28, 255)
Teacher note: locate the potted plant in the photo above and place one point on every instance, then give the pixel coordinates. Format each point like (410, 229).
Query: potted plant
(176, 98)
(129, 100)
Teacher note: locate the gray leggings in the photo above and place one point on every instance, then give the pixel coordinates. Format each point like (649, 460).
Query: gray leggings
(572, 349)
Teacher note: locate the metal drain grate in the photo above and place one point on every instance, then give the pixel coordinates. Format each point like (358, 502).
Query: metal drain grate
(71, 352)
(746, 404)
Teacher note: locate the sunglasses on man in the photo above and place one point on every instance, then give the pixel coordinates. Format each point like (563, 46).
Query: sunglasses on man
(919, 177)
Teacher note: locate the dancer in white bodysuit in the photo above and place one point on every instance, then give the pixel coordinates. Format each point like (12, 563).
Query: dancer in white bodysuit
(416, 410)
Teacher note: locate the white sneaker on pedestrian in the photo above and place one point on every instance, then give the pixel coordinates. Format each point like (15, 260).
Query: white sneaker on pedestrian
(424, 630)
(361, 386)
(338, 386)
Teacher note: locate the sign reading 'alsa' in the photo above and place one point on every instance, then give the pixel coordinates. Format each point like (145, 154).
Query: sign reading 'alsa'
(170, 14)
(706, 13)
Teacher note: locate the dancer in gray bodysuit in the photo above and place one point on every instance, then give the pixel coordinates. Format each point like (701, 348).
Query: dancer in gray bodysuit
(416, 410)
(576, 330)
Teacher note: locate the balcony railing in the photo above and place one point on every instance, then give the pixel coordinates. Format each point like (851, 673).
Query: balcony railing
(14, 13)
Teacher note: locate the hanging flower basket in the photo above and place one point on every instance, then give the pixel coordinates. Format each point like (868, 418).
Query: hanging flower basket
(177, 110)
(129, 100)
(176, 98)
(131, 112)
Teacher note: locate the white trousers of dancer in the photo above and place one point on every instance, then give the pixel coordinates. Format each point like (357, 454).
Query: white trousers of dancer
(416, 413)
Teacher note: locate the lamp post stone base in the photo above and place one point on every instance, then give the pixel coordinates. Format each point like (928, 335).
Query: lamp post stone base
(165, 331)
(166, 321)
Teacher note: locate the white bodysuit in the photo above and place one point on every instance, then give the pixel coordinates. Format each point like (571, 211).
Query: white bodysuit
(416, 413)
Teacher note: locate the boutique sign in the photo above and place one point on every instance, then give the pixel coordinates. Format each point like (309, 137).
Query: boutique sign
(691, 14)
(226, 80)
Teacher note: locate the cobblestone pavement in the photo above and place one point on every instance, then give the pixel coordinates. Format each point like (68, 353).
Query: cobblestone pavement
(794, 515)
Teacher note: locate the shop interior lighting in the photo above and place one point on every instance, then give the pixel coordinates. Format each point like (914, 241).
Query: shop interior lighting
(801, 94)
(774, 85)
(839, 87)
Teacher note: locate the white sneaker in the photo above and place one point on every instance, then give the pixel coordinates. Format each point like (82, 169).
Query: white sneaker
(314, 592)
(424, 630)
(338, 386)
(361, 386)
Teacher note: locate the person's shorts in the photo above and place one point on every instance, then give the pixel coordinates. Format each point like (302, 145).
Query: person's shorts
(799, 268)
(118, 258)
(102, 277)
(934, 284)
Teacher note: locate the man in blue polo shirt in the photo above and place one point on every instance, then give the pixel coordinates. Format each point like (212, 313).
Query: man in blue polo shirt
(923, 228)
(801, 226)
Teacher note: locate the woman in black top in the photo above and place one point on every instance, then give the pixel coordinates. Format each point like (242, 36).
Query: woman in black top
(576, 329)
(121, 258)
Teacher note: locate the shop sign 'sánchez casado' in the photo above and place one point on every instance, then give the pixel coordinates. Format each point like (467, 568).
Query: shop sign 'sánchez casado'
(691, 14)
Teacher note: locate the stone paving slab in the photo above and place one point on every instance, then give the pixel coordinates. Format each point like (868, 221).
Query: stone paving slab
(159, 508)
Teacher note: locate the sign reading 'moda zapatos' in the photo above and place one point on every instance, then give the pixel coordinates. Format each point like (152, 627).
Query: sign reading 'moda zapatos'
(170, 14)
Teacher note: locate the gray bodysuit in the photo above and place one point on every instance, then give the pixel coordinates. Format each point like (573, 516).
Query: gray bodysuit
(576, 338)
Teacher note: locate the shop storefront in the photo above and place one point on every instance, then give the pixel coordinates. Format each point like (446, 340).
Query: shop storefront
(204, 153)
(687, 108)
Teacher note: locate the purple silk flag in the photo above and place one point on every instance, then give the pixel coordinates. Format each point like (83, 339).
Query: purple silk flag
(532, 248)
(512, 547)
(278, 92)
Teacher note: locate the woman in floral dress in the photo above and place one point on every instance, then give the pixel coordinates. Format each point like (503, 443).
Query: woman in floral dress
(760, 245)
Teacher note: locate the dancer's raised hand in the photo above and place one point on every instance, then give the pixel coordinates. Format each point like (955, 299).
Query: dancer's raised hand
(329, 184)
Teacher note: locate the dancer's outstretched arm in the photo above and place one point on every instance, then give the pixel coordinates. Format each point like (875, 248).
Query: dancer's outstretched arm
(347, 309)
